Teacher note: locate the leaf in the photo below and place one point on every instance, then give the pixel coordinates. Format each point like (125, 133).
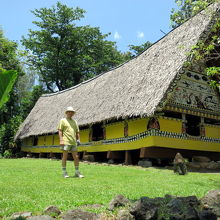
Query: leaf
(7, 80)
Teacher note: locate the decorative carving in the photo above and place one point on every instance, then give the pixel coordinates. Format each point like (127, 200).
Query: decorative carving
(193, 91)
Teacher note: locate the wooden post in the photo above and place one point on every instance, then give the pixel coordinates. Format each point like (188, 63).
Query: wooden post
(90, 133)
(84, 155)
(143, 152)
(51, 155)
(128, 160)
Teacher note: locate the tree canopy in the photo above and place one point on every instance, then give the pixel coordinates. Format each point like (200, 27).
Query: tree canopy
(65, 54)
(186, 9)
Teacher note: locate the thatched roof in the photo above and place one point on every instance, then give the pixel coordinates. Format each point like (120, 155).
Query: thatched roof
(132, 89)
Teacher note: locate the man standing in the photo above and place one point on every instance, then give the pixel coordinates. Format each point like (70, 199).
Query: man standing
(69, 138)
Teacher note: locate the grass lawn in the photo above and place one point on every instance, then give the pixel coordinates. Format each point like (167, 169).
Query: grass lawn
(34, 184)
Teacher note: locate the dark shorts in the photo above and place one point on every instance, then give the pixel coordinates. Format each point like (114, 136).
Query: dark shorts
(69, 148)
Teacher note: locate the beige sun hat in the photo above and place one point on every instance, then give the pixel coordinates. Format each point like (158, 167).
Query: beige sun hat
(70, 109)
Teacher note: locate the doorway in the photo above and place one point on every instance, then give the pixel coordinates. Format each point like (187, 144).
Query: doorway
(97, 132)
(193, 125)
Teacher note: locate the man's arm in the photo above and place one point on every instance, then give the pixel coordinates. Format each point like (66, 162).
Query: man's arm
(60, 132)
(77, 136)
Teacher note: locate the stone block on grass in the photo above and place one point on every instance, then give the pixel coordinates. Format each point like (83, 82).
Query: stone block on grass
(52, 211)
(118, 201)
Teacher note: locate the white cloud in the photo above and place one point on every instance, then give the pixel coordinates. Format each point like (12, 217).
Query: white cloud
(117, 36)
(140, 34)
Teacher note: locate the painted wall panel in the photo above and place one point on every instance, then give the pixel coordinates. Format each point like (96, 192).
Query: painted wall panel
(137, 126)
(84, 136)
(213, 132)
(115, 130)
(170, 125)
(49, 140)
(56, 139)
(40, 141)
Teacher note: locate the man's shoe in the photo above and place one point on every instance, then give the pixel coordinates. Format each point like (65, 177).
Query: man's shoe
(79, 175)
(65, 175)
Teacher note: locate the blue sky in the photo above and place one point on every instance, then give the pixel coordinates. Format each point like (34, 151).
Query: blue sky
(129, 21)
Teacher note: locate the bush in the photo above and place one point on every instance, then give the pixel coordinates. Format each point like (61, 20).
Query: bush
(7, 133)
(7, 154)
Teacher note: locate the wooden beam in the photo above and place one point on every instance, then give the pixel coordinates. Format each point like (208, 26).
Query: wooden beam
(128, 160)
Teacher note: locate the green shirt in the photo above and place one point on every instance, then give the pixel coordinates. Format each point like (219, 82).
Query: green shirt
(69, 128)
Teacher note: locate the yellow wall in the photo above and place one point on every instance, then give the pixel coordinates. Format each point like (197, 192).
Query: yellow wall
(171, 125)
(40, 141)
(84, 135)
(29, 141)
(137, 126)
(56, 139)
(115, 130)
(49, 140)
(212, 131)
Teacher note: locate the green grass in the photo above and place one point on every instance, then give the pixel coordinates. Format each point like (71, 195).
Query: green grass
(34, 184)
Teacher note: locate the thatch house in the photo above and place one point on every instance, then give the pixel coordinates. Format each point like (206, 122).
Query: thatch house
(150, 107)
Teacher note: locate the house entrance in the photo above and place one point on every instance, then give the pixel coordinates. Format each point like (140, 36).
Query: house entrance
(193, 125)
(97, 132)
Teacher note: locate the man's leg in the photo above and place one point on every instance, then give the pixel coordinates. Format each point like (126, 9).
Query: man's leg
(64, 159)
(76, 163)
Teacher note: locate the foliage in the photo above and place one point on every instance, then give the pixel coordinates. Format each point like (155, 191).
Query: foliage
(10, 70)
(31, 98)
(20, 100)
(136, 50)
(8, 54)
(2, 134)
(65, 54)
(7, 79)
(186, 9)
(7, 154)
(9, 129)
(208, 51)
(205, 50)
(7, 132)
(29, 186)
(8, 62)
(214, 73)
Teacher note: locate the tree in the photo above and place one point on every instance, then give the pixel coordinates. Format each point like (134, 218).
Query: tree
(9, 62)
(186, 9)
(65, 54)
(136, 50)
(29, 101)
(206, 51)
(10, 114)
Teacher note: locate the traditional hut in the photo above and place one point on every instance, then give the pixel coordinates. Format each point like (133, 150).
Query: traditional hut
(150, 107)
